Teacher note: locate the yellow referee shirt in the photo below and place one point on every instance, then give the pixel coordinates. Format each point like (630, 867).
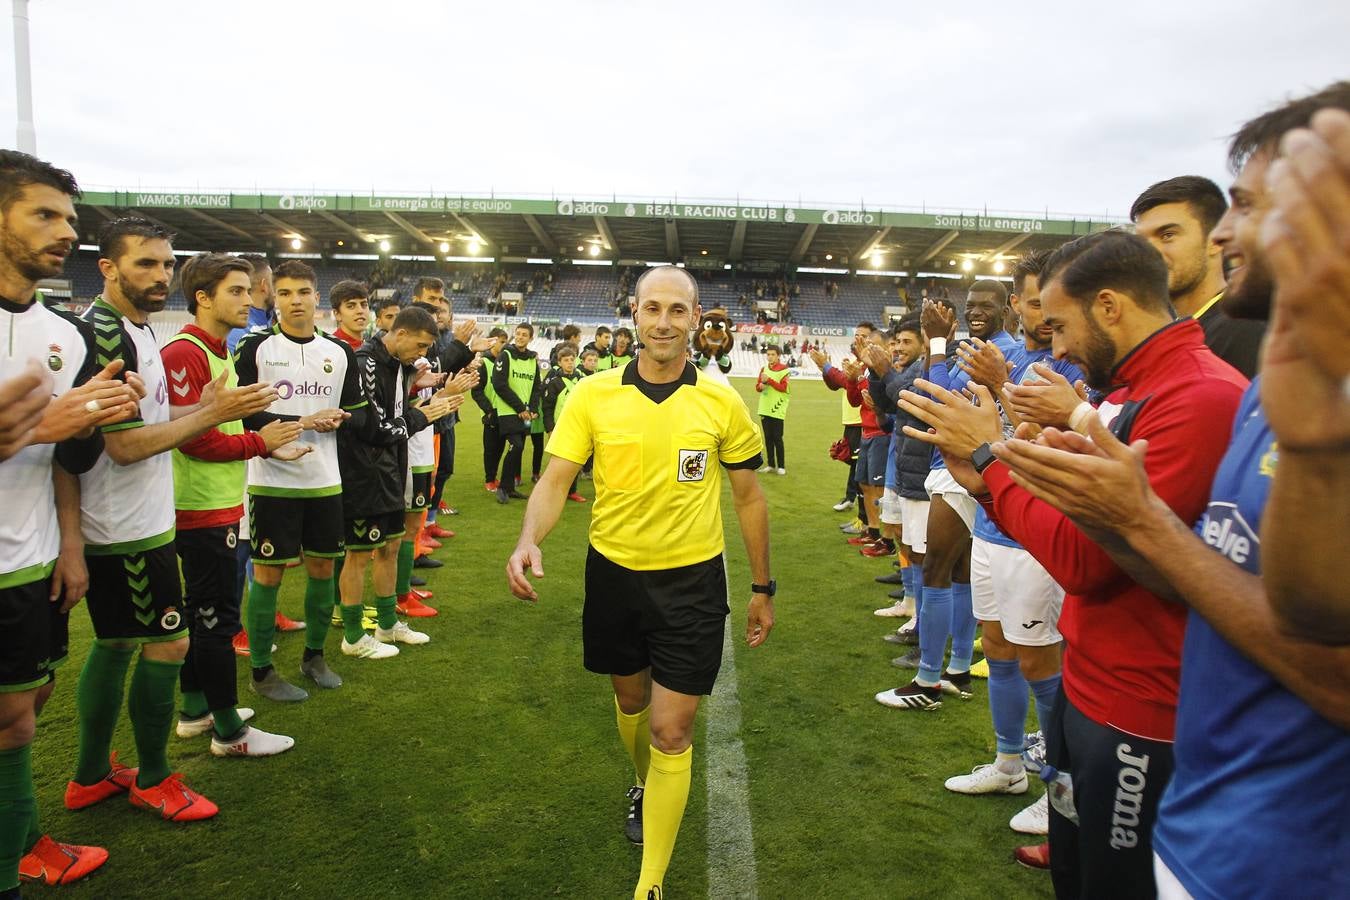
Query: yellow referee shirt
(659, 452)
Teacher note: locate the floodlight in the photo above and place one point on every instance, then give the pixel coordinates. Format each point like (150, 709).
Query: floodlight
(998, 266)
(384, 246)
(475, 246)
(296, 243)
(595, 250)
(966, 265)
(829, 256)
(445, 246)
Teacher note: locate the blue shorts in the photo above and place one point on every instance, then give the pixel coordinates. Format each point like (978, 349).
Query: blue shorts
(872, 453)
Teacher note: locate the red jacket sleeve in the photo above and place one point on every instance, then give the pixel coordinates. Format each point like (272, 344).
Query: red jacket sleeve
(759, 382)
(189, 372)
(1181, 461)
(779, 384)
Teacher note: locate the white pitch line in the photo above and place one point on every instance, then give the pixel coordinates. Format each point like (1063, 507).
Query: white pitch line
(731, 839)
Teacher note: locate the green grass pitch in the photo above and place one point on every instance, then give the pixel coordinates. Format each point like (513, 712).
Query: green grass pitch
(486, 764)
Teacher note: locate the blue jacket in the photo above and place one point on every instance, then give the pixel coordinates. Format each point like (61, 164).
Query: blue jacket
(912, 456)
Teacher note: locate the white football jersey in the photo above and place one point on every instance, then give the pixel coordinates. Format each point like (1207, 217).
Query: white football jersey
(126, 509)
(29, 536)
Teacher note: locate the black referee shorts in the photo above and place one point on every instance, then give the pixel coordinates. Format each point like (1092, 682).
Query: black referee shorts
(672, 620)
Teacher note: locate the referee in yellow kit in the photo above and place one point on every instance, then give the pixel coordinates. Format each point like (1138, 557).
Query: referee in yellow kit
(656, 584)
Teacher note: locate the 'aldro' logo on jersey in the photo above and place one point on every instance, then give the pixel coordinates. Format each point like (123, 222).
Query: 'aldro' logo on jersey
(693, 465)
(288, 389)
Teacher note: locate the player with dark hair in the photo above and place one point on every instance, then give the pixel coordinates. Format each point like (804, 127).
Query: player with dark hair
(350, 302)
(1105, 298)
(128, 521)
(386, 309)
(58, 396)
(456, 350)
(374, 462)
(948, 611)
(623, 351)
(295, 507)
(1014, 598)
(772, 385)
(1178, 217)
(1263, 722)
(518, 385)
(557, 388)
(601, 346)
(261, 299)
(1310, 205)
(209, 477)
(656, 594)
(486, 398)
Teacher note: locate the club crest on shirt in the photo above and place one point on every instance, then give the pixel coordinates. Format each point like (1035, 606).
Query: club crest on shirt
(693, 465)
(1270, 460)
(54, 360)
(328, 365)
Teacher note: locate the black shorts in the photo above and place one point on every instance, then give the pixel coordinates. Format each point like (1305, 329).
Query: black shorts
(374, 531)
(280, 528)
(136, 596)
(417, 492)
(670, 619)
(211, 587)
(1118, 780)
(33, 635)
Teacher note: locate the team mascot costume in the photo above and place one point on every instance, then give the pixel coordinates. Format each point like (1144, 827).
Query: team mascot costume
(713, 344)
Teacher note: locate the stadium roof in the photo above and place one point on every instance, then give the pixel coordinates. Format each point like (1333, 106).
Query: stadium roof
(755, 237)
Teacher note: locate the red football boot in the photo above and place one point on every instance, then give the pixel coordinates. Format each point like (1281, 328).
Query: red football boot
(51, 862)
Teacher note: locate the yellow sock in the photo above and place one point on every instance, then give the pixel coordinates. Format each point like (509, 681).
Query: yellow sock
(662, 810)
(636, 737)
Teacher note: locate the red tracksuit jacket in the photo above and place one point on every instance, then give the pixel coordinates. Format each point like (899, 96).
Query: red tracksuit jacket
(1122, 653)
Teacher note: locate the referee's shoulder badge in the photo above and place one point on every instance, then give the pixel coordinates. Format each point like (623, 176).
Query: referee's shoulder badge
(693, 465)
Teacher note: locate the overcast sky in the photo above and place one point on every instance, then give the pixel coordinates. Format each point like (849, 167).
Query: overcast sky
(1014, 106)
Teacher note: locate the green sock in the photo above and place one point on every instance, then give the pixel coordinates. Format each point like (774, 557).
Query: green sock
(18, 808)
(98, 701)
(385, 616)
(34, 832)
(319, 595)
(351, 622)
(403, 580)
(150, 707)
(262, 623)
(226, 722)
(194, 705)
